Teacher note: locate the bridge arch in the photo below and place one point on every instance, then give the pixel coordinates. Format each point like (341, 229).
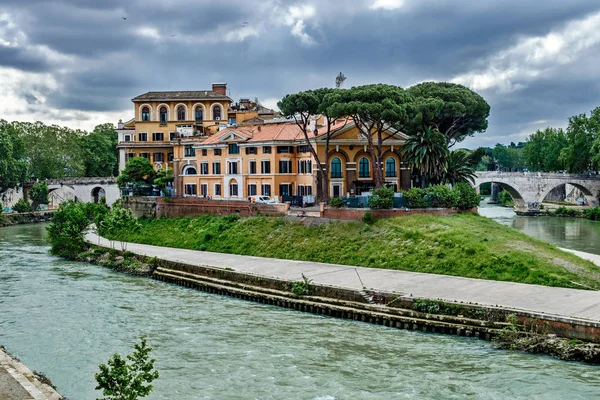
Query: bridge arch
(514, 193)
(98, 193)
(589, 194)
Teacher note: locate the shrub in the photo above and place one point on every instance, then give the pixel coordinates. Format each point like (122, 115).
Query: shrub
(95, 212)
(337, 202)
(302, 288)
(506, 199)
(117, 221)
(22, 206)
(382, 198)
(367, 218)
(67, 229)
(39, 194)
(592, 213)
(415, 198)
(441, 196)
(1, 208)
(467, 196)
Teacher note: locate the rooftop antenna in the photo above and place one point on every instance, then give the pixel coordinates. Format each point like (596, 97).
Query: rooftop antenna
(339, 81)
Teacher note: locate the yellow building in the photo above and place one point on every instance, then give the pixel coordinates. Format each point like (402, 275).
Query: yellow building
(164, 118)
(272, 159)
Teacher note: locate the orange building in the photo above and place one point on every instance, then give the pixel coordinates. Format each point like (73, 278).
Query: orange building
(272, 159)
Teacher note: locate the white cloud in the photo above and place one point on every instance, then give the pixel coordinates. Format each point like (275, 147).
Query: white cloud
(148, 32)
(386, 4)
(295, 18)
(512, 68)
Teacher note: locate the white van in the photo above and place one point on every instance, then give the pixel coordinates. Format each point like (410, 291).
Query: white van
(261, 199)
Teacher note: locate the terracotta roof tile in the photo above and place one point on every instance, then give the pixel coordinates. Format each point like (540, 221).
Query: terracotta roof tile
(181, 96)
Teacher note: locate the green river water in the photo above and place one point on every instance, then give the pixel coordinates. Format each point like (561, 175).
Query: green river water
(64, 318)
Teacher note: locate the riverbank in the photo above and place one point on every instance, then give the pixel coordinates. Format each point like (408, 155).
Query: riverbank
(25, 218)
(403, 300)
(459, 245)
(17, 382)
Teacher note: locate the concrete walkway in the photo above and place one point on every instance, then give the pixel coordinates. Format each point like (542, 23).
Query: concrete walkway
(582, 304)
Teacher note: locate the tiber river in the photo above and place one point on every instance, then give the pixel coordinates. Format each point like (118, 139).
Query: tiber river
(64, 318)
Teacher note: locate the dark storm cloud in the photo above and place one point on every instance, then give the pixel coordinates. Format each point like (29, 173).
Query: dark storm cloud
(110, 60)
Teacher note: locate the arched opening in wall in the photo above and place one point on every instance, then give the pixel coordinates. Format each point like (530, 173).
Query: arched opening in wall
(501, 193)
(58, 195)
(569, 194)
(98, 195)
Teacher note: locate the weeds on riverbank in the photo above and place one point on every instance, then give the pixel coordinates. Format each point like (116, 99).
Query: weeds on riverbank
(590, 213)
(462, 245)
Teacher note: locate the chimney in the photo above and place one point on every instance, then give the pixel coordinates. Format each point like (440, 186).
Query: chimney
(220, 88)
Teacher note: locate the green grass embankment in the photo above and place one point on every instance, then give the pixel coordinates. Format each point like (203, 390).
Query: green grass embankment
(462, 245)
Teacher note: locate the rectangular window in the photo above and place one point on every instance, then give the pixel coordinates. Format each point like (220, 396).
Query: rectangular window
(233, 190)
(204, 168)
(266, 190)
(204, 190)
(145, 155)
(266, 149)
(128, 138)
(171, 157)
(250, 150)
(285, 189)
(252, 189)
(216, 168)
(308, 190)
(217, 152)
(204, 152)
(231, 120)
(172, 136)
(143, 137)
(304, 167)
(300, 190)
(190, 189)
(130, 156)
(285, 149)
(285, 166)
(265, 167)
(252, 167)
(158, 137)
(303, 149)
(217, 189)
(159, 157)
(232, 167)
(189, 151)
(234, 149)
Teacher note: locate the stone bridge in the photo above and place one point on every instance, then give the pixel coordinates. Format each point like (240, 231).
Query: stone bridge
(533, 187)
(83, 189)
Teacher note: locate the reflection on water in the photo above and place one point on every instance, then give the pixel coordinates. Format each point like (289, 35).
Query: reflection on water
(571, 233)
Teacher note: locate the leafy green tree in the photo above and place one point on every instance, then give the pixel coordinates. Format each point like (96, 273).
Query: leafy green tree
(138, 170)
(163, 178)
(67, 229)
(378, 111)
(577, 156)
(454, 110)
(117, 221)
(459, 168)
(426, 152)
(382, 198)
(38, 194)
(22, 206)
(304, 107)
(100, 151)
(543, 148)
(128, 378)
(13, 164)
(509, 158)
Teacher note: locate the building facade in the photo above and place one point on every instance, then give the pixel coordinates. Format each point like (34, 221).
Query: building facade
(273, 159)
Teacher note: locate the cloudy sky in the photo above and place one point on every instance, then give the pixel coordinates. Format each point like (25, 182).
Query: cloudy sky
(79, 62)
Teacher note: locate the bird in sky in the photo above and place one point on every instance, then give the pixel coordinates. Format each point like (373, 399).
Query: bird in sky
(124, 18)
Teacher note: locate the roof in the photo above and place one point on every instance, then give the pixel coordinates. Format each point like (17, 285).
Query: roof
(181, 96)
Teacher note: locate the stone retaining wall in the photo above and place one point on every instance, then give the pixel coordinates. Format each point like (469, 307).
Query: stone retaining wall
(193, 206)
(25, 218)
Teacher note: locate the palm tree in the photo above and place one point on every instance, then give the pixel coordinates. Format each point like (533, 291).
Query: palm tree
(459, 168)
(427, 151)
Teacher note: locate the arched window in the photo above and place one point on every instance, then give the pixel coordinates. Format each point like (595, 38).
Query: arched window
(233, 188)
(336, 168)
(199, 112)
(189, 171)
(363, 168)
(217, 113)
(181, 113)
(390, 167)
(145, 114)
(163, 115)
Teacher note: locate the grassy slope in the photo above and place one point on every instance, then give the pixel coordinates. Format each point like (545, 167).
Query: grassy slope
(463, 245)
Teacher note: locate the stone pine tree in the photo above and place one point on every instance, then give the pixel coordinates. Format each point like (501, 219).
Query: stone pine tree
(128, 378)
(453, 110)
(304, 107)
(379, 111)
